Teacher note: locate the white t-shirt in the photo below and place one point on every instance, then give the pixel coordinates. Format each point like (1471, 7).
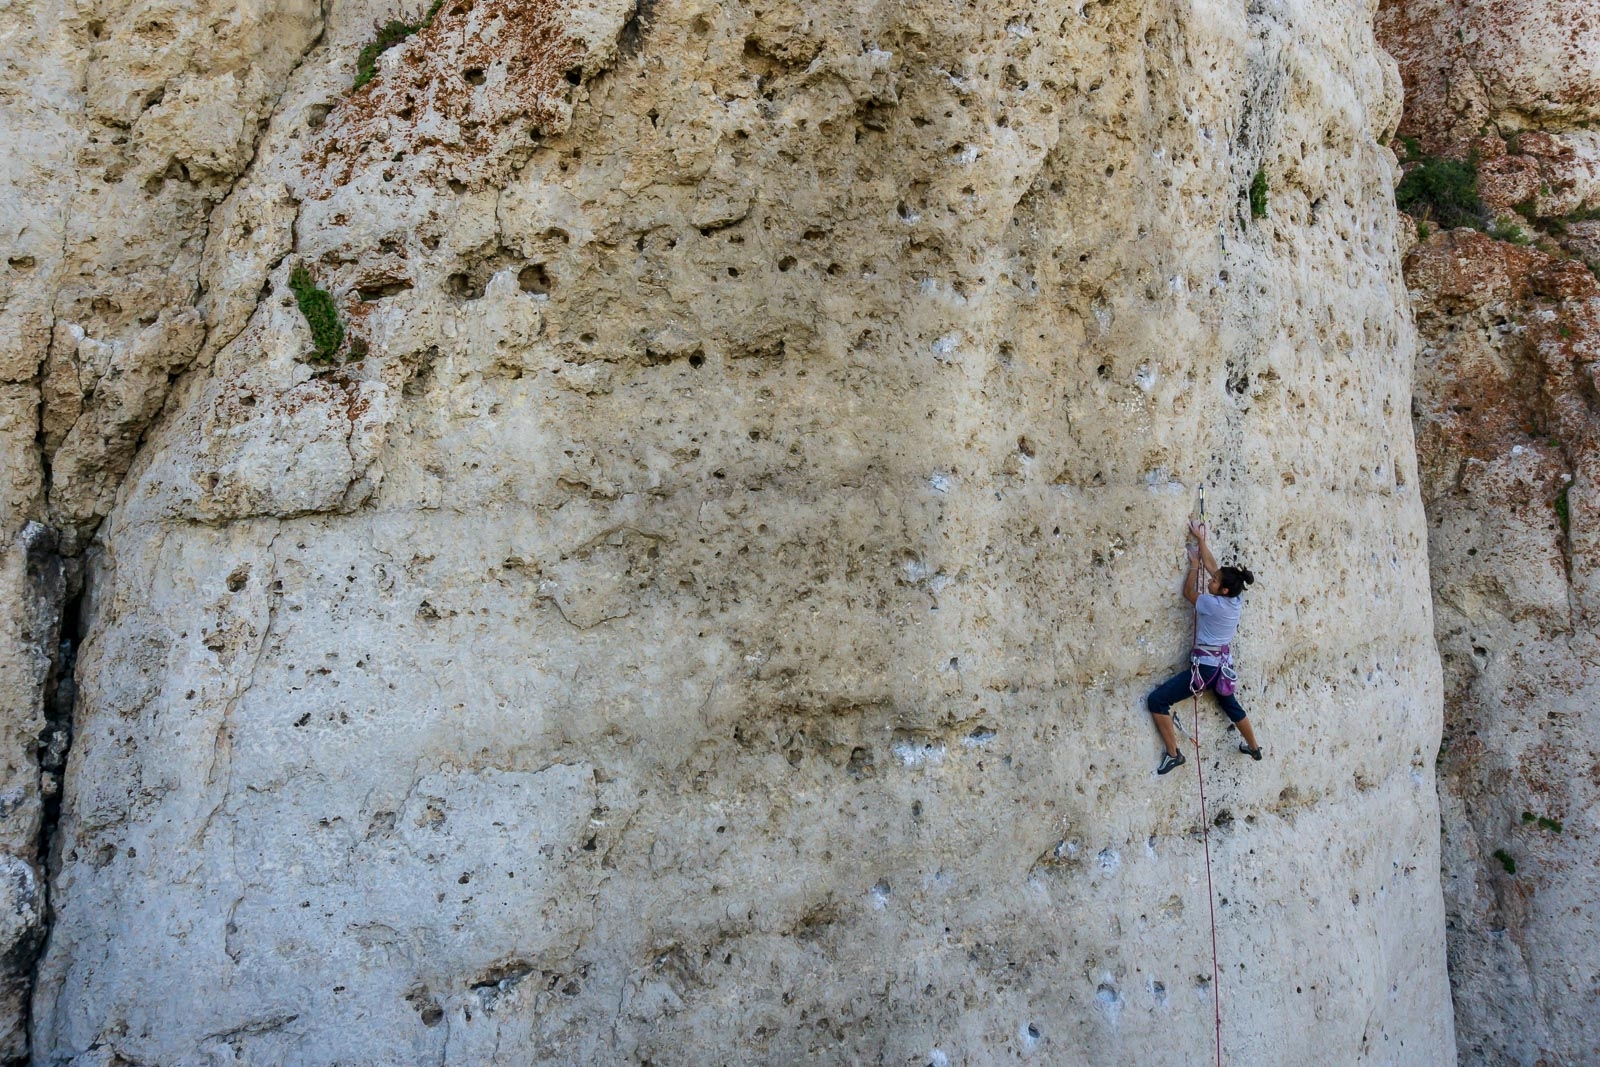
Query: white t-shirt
(1218, 620)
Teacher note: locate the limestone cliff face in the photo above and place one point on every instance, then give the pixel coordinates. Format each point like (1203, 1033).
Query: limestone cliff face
(1508, 434)
(1508, 421)
(123, 127)
(703, 611)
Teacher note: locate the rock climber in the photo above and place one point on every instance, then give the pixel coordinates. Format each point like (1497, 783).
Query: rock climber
(1210, 661)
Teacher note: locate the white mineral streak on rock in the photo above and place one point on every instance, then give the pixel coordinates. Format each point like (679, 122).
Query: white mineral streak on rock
(550, 686)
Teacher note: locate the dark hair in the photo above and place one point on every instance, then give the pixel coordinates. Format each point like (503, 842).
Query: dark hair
(1234, 579)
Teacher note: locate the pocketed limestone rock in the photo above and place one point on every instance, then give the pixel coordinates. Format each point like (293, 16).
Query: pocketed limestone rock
(122, 126)
(98, 441)
(1507, 432)
(1509, 439)
(708, 620)
(1471, 64)
(171, 104)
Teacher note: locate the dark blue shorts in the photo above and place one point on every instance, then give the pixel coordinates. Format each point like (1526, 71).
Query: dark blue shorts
(1176, 689)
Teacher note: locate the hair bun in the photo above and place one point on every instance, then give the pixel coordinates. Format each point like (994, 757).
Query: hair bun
(1248, 577)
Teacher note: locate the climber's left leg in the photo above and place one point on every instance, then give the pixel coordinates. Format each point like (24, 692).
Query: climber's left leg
(1236, 714)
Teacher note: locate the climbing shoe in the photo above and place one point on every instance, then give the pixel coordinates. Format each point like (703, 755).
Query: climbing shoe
(1169, 762)
(1253, 753)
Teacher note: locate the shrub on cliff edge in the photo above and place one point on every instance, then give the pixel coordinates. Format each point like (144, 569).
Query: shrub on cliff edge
(1445, 190)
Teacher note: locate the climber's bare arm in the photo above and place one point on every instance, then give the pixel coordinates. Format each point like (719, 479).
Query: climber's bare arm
(1201, 534)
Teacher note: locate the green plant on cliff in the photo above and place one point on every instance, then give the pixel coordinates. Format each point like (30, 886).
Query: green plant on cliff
(1506, 230)
(1412, 147)
(388, 35)
(327, 332)
(1445, 190)
(1558, 224)
(1258, 195)
(1564, 511)
(1544, 821)
(1506, 861)
(385, 37)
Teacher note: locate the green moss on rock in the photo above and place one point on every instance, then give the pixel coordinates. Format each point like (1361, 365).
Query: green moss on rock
(1258, 195)
(386, 37)
(321, 314)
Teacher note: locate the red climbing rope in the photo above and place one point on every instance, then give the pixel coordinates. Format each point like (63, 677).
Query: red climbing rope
(1211, 896)
(1202, 585)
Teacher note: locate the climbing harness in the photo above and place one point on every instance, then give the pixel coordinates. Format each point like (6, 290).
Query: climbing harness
(1205, 826)
(1220, 659)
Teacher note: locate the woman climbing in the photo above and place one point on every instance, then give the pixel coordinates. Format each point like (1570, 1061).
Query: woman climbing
(1210, 662)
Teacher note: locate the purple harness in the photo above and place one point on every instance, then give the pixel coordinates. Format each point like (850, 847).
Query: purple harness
(1222, 679)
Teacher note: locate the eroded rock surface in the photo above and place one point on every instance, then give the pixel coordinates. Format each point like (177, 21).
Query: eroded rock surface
(1508, 430)
(1508, 421)
(1504, 65)
(710, 617)
(121, 128)
(171, 98)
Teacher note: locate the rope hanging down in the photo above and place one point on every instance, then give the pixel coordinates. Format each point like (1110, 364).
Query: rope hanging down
(1204, 579)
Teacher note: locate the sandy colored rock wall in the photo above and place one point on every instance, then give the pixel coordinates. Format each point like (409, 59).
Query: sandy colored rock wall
(121, 128)
(32, 579)
(711, 618)
(1508, 421)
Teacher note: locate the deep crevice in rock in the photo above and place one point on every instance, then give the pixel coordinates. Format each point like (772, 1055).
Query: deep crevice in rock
(60, 698)
(57, 588)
